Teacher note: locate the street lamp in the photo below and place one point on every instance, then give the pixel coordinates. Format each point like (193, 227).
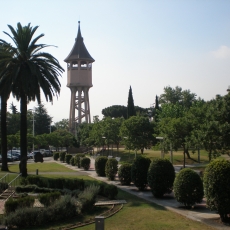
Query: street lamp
(161, 139)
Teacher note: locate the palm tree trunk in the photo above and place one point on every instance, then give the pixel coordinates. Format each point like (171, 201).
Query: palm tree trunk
(23, 136)
(4, 133)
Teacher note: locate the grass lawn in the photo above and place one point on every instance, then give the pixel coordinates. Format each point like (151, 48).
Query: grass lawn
(178, 157)
(139, 214)
(42, 167)
(136, 214)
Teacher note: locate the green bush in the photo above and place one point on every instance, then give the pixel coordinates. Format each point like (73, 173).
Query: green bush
(111, 168)
(161, 175)
(100, 163)
(48, 198)
(139, 172)
(68, 158)
(12, 204)
(63, 209)
(72, 161)
(188, 188)
(36, 180)
(110, 191)
(3, 186)
(124, 174)
(77, 161)
(85, 163)
(217, 187)
(55, 183)
(87, 198)
(62, 156)
(56, 156)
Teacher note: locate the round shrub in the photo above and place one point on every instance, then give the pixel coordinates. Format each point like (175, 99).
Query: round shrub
(77, 161)
(161, 175)
(72, 161)
(124, 174)
(217, 187)
(188, 188)
(68, 158)
(110, 191)
(100, 163)
(85, 163)
(56, 156)
(62, 156)
(111, 168)
(139, 172)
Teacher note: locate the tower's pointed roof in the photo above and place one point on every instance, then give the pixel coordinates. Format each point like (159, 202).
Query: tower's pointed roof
(79, 51)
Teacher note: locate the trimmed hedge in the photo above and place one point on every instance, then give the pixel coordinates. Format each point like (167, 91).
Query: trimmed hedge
(124, 174)
(62, 156)
(100, 163)
(72, 161)
(87, 198)
(65, 208)
(11, 205)
(139, 172)
(217, 187)
(110, 191)
(161, 175)
(188, 188)
(54, 183)
(48, 198)
(111, 168)
(68, 158)
(85, 163)
(56, 156)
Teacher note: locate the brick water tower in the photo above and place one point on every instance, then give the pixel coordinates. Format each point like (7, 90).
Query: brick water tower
(79, 80)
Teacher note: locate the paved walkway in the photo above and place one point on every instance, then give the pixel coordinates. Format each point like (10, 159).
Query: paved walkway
(199, 213)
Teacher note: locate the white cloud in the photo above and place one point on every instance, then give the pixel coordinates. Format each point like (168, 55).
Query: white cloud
(223, 52)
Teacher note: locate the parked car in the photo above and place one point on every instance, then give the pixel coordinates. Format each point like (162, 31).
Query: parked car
(48, 153)
(38, 157)
(16, 154)
(30, 155)
(10, 157)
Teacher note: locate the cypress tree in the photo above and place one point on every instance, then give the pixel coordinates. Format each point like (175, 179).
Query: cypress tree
(156, 109)
(130, 108)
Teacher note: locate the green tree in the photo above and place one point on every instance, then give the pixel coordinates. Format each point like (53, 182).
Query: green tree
(63, 124)
(28, 70)
(13, 108)
(137, 133)
(83, 134)
(5, 53)
(12, 141)
(177, 95)
(4, 132)
(13, 123)
(42, 120)
(130, 108)
(115, 111)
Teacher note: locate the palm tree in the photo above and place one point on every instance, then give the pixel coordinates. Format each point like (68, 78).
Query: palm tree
(28, 70)
(5, 52)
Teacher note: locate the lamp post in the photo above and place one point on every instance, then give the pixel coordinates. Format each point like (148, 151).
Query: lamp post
(161, 139)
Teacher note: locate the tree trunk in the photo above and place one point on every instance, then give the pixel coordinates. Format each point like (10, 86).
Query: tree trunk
(187, 153)
(142, 150)
(4, 133)
(210, 155)
(23, 136)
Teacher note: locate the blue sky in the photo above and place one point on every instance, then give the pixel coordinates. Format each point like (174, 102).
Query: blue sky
(147, 44)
